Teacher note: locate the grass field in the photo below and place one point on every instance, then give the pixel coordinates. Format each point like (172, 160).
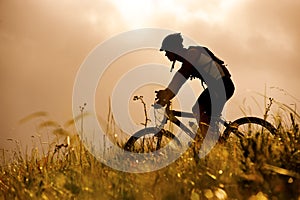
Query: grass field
(262, 168)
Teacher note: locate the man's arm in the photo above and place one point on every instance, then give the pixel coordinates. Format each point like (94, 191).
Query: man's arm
(184, 72)
(177, 81)
(170, 92)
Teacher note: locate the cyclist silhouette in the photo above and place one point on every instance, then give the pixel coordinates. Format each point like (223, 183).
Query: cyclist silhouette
(197, 62)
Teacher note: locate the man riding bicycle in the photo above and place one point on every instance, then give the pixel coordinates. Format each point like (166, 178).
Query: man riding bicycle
(197, 62)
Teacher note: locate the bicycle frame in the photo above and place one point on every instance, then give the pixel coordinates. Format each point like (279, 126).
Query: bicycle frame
(173, 114)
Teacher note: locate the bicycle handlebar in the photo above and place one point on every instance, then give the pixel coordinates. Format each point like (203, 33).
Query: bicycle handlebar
(161, 99)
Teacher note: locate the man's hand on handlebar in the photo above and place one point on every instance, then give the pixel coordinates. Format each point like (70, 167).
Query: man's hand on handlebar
(164, 96)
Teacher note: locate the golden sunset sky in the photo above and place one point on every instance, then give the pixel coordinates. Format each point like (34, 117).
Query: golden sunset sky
(44, 42)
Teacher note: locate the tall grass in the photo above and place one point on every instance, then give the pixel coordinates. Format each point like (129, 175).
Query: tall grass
(261, 168)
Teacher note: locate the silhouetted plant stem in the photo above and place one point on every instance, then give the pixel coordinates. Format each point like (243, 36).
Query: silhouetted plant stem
(135, 98)
(81, 132)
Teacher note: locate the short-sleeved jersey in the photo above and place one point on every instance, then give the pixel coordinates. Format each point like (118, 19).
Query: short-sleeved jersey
(202, 64)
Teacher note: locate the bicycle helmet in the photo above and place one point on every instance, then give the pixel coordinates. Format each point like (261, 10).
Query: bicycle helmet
(172, 42)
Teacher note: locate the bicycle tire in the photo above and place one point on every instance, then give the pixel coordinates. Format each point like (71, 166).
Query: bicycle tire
(155, 137)
(233, 128)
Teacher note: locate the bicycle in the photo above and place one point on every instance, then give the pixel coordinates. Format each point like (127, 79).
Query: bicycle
(154, 138)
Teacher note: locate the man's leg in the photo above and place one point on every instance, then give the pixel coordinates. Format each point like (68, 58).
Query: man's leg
(201, 111)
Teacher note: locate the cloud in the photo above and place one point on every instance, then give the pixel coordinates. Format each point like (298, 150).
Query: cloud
(256, 34)
(268, 34)
(43, 43)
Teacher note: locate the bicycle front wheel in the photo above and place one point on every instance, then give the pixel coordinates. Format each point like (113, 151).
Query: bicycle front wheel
(151, 139)
(248, 126)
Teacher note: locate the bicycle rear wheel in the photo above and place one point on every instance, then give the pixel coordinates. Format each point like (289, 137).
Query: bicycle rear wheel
(151, 139)
(248, 126)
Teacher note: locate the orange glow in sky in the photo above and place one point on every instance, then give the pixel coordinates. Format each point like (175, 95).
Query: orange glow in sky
(43, 44)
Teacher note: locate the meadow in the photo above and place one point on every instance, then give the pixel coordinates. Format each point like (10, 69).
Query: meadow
(261, 168)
